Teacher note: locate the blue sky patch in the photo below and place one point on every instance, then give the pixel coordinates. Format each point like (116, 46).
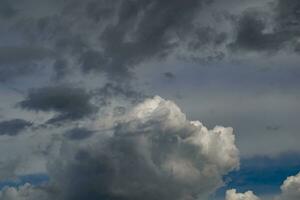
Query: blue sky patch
(261, 174)
(33, 179)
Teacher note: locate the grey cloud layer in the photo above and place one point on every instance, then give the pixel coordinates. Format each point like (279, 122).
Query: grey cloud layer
(7, 10)
(114, 37)
(16, 61)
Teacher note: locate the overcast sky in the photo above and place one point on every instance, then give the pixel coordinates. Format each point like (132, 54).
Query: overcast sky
(149, 99)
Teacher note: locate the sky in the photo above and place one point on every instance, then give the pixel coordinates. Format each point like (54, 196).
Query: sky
(149, 99)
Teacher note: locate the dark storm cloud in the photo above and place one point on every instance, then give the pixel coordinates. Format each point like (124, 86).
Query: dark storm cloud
(150, 26)
(70, 102)
(251, 36)
(18, 60)
(78, 133)
(252, 33)
(13, 127)
(288, 15)
(288, 18)
(113, 37)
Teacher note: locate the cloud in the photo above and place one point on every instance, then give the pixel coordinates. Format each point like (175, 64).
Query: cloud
(152, 152)
(29, 192)
(288, 15)
(262, 174)
(13, 127)
(290, 189)
(25, 192)
(111, 91)
(7, 169)
(93, 60)
(169, 75)
(251, 35)
(70, 103)
(99, 11)
(19, 60)
(233, 195)
(270, 32)
(60, 68)
(171, 158)
(151, 26)
(7, 10)
(78, 133)
(17, 54)
(114, 37)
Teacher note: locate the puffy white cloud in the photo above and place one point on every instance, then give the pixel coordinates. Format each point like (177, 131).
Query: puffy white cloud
(233, 195)
(152, 152)
(290, 189)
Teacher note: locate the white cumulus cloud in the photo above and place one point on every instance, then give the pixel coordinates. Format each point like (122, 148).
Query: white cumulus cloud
(151, 153)
(233, 195)
(290, 189)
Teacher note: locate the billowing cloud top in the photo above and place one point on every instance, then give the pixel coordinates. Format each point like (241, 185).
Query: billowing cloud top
(233, 195)
(291, 188)
(153, 152)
